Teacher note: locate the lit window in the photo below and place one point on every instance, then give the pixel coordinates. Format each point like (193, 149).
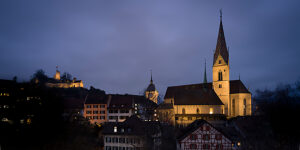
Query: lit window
(115, 129)
(211, 110)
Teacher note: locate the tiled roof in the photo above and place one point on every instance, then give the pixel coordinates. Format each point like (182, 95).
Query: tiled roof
(193, 94)
(94, 98)
(121, 101)
(237, 86)
(198, 123)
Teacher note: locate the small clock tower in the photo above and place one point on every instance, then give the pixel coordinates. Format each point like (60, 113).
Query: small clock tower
(151, 93)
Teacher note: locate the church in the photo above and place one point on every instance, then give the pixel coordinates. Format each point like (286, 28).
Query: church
(220, 99)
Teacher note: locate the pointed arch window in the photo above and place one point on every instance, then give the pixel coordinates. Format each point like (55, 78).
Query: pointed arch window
(183, 111)
(220, 76)
(198, 111)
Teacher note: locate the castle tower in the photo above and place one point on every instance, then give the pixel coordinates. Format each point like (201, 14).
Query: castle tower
(220, 70)
(151, 93)
(57, 74)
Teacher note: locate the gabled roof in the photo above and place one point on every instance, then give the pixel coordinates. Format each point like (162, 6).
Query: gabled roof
(94, 98)
(196, 125)
(193, 94)
(191, 128)
(121, 101)
(237, 86)
(221, 48)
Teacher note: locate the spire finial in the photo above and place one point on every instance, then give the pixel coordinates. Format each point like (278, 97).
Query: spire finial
(151, 81)
(205, 78)
(221, 14)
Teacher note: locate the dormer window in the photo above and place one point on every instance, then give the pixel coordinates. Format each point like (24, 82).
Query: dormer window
(220, 61)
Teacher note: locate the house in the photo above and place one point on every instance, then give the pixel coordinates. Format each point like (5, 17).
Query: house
(121, 107)
(202, 135)
(132, 134)
(95, 108)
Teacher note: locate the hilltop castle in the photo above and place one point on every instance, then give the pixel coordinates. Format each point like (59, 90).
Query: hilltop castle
(57, 82)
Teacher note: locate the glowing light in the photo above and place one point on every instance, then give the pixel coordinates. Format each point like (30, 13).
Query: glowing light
(211, 110)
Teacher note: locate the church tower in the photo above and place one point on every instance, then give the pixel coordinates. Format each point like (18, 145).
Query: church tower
(57, 74)
(151, 93)
(220, 70)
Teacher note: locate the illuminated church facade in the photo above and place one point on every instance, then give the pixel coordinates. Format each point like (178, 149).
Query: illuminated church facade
(221, 98)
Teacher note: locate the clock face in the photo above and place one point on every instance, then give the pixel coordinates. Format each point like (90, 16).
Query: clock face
(150, 95)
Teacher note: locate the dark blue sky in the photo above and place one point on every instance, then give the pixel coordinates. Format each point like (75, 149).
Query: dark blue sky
(112, 45)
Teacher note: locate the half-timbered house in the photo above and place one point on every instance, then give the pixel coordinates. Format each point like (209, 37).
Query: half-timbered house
(202, 135)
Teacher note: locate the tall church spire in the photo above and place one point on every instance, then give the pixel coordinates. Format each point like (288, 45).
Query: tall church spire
(221, 48)
(205, 78)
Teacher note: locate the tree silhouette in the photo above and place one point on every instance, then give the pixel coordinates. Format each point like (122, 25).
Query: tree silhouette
(40, 76)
